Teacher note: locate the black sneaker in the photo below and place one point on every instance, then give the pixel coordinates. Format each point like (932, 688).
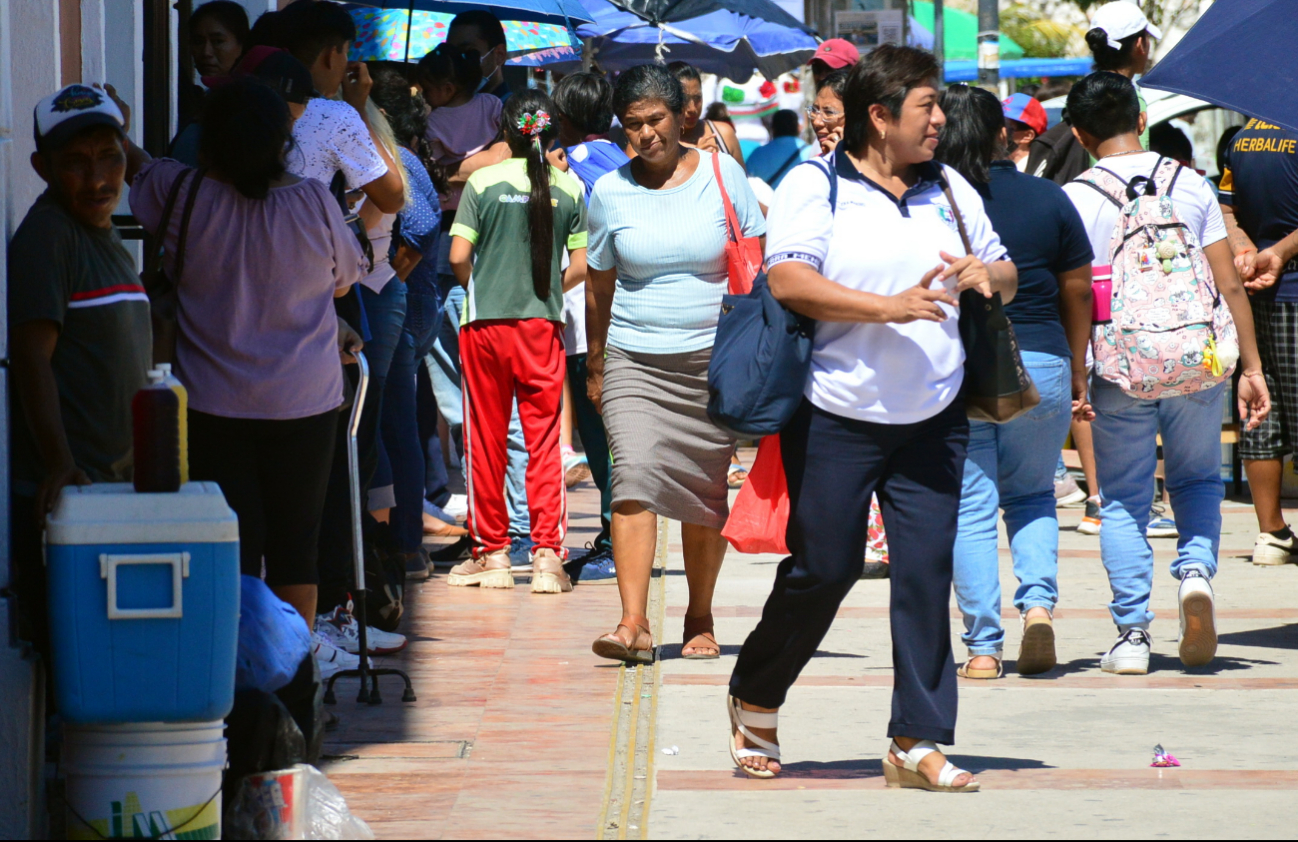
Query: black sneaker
(418, 567)
(451, 554)
(876, 570)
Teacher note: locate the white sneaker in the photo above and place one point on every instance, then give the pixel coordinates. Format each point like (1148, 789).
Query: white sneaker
(340, 628)
(1130, 655)
(1270, 551)
(1198, 620)
(331, 659)
(457, 507)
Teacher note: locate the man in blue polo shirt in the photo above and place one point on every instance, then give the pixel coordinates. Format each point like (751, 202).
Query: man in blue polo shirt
(1259, 200)
(772, 161)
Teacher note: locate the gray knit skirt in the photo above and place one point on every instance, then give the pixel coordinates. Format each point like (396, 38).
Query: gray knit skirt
(667, 454)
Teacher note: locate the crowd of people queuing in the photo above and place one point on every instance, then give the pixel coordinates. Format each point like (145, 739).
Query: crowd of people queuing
(515, 265)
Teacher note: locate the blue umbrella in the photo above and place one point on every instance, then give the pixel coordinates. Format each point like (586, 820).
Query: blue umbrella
(666, 11)
(564, 12)
(967, 71)
(1238, 56)
(721, 42)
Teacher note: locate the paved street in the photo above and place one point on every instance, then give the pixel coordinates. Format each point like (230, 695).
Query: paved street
(520, 731)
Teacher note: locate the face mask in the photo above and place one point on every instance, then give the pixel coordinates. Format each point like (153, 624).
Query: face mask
(486, 76)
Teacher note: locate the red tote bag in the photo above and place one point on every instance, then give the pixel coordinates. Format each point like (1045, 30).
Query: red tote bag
(759, 519)
(743, 254)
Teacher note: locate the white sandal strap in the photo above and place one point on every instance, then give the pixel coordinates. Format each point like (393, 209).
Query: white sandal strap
(745, 718)
(910, 759)
(948, 775)
(769, 753)
(756, 719)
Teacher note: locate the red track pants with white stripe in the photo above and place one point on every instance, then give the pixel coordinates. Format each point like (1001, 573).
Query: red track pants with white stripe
(502, 358)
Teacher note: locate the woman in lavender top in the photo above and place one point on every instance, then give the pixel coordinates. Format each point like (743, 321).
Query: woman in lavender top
(258, 340)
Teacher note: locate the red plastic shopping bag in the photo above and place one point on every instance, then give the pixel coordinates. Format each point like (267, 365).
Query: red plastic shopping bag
(760, 517)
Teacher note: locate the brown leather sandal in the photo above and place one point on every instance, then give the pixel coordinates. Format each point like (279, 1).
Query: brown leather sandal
(640, 649)
(700, 627)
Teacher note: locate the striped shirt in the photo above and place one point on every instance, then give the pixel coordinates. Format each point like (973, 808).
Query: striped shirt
(83, 280)
(668, 247)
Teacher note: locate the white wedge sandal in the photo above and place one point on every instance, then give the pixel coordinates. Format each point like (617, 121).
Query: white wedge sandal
(740, 721)
(908, 775)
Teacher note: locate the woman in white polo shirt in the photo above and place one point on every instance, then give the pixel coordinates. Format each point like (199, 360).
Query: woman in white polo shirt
(880, 272)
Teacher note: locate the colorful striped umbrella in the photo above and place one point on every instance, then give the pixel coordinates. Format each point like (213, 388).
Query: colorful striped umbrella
(381, 34)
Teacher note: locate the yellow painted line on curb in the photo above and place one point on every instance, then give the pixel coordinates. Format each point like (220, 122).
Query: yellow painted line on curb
(612, 753)
(656, 623)
(630, 765)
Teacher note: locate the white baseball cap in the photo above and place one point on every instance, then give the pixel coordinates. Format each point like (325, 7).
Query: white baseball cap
(66, 112)
(1121, 19)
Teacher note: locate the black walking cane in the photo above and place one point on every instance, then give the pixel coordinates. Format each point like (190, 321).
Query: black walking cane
(367, 695)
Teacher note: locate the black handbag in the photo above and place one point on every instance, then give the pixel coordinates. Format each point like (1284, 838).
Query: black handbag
(997, 387)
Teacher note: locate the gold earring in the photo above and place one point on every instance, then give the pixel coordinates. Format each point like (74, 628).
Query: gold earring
(883, 135)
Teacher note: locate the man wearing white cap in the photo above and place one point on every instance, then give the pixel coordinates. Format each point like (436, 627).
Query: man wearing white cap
(1121, 39)
(79, 322)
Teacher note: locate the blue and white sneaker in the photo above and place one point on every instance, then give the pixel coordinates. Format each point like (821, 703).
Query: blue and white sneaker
(594, 568)
(520, 554)
(1160, 525)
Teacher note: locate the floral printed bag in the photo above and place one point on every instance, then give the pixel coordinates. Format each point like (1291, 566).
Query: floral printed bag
(1170, 334)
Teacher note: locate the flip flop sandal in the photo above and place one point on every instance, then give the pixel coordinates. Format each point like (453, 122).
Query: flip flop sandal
(908, 776)
(1037, 650)
(700, 627)
(615, 648)
(740, 721)
(981, 674)
(737, 477)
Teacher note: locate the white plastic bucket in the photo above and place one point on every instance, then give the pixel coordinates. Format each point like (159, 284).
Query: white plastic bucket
(144, 780)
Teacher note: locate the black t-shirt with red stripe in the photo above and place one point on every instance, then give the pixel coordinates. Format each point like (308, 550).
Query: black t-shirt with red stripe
(85, 281)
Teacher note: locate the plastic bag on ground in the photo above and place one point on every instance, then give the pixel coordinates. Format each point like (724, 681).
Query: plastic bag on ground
(295, 803)
(759, 518)
(273, 639)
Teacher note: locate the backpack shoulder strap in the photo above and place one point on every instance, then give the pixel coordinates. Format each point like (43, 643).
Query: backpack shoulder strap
(1091, 182)
(1165, 174)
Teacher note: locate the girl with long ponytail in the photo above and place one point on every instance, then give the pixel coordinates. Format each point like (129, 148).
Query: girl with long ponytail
(514, 222)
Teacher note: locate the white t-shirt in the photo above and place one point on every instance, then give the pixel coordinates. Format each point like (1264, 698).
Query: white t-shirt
(1195, 201)
(882, 373)
(330, 137)
(574, 300)
(381, 241)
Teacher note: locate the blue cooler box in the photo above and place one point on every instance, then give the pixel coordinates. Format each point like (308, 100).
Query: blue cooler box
(144, 603)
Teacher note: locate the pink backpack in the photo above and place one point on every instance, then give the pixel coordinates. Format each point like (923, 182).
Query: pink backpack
(1170, 333)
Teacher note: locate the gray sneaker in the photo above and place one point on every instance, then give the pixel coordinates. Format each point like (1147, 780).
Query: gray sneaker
(1067, 494)
(1130, 655)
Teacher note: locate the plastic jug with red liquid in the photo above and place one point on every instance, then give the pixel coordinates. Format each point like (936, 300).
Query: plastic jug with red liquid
(156, 414)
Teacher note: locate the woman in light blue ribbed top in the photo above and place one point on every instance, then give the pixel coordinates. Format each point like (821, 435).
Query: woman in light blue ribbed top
(657, 262)
(668, 248)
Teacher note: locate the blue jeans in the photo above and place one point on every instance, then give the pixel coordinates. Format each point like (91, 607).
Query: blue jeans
(1012, 467)
(444, 371)
(400, 422)
(1126, 455)
(385, 313)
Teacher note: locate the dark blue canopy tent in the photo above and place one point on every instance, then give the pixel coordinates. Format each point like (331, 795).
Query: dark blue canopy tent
(1240, 55)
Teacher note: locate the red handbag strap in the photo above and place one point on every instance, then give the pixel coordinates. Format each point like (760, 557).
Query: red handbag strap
(732, 221)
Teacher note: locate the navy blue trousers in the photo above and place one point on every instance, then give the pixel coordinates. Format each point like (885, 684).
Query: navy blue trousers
(834, 465)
